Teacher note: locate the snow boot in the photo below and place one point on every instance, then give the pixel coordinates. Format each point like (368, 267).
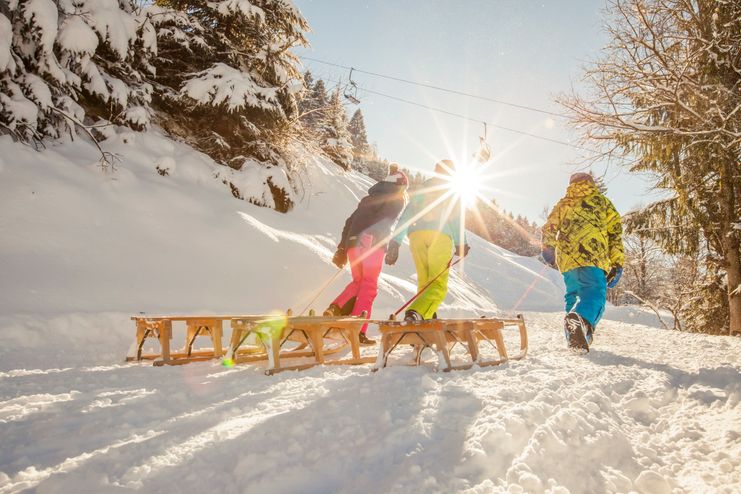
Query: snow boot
(365, 341)
(575, 329)
(333, 310)
(413, 316)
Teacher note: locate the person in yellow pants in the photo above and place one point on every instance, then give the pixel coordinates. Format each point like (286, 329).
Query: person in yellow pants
(432, 222)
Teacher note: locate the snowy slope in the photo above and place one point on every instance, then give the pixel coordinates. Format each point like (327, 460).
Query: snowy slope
(648, 410)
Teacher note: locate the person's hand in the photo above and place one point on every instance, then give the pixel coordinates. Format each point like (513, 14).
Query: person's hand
(613, 277)
(340, 257)
(462, 250)
(548, 254)
(392, 253)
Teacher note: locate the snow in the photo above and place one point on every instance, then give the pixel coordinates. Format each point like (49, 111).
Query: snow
(43, 14)
(119, 90)
(6, 37)
(227, 8)
(81, 250)
(115, 26)
(24, 110)
(76, 36)
(38, 90)
(222, 84)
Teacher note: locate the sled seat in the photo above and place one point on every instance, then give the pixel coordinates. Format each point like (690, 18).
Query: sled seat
(442, 335)
(296, 342)
(160, 328)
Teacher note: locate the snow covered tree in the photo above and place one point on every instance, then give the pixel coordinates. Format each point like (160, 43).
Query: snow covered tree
(65, 61)
(360, 148)
(333, 134)
(490, 222)
(227, 82)
(667, 97)
(313, 105)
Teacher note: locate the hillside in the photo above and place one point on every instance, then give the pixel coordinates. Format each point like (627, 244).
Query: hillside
(81, 250)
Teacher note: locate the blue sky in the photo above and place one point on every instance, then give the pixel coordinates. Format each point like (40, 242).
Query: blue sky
(523, 51)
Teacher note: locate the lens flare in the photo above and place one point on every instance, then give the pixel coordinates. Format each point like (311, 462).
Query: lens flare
(465, 184)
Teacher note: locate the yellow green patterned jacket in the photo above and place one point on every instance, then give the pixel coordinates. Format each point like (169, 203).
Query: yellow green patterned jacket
(585, 230)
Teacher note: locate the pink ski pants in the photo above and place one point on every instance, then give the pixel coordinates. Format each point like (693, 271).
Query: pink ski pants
(366, 263)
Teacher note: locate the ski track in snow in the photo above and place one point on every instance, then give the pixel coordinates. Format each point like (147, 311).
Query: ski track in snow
(658, 417)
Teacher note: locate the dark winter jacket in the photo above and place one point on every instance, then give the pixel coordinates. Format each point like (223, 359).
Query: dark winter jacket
(375, 215)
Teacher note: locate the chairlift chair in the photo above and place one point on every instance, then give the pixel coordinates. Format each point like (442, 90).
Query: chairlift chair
(484, 153)
(351, 90)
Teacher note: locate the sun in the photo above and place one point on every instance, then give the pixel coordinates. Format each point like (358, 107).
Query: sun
(465, 183)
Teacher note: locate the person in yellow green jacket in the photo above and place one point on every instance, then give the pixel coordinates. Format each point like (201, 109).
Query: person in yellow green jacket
(583, 239)
(432, 221)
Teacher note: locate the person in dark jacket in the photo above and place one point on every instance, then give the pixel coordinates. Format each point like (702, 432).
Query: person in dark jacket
(363, 243)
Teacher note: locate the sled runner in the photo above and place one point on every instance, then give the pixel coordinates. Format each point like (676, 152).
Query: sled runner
(443, 335)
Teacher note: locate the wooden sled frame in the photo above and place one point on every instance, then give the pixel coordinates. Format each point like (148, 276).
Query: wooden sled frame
(442, 335)
(310, 332)
(160, 329)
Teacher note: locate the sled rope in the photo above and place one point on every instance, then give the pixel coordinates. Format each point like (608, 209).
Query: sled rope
(326, 285)
(421, 291)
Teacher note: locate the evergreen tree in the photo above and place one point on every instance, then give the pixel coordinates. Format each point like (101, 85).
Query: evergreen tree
(229, 81)
(360, 148)
(668, 98)
(334, 137)
(62, 62)
(314, 105)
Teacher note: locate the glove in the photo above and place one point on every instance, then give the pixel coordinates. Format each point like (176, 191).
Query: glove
(462, 248)
(548, 254)
(340, 257)
(614, 276)
(392, 253)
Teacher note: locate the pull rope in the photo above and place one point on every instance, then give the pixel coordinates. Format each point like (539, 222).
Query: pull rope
(416, 295)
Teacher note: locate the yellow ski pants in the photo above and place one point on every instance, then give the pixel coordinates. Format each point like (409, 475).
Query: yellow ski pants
(431, 251)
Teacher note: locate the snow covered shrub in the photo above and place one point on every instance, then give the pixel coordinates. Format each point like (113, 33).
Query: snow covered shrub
(64, 60)
(227, 81)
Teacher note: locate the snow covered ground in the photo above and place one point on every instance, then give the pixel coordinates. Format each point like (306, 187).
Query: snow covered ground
(647, 410)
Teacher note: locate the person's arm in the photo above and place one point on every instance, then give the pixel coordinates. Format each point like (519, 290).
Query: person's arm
(550, 229)
(453, 227)
(402, 225)
(614, 236)
(549, 232)
(346, 231)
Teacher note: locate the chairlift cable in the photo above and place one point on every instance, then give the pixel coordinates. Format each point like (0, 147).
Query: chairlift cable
(438, 88)
(486, 124)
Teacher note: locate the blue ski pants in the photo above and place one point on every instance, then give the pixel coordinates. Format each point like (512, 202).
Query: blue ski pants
(586, 292)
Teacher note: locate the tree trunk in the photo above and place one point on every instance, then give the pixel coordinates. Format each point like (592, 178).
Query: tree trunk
(733, 265)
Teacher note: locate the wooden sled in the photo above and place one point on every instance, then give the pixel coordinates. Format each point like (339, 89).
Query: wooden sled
(442, 335)
(160, 328)
(313, 339)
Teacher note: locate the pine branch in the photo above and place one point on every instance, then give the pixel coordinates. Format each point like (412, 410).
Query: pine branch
(107, 159)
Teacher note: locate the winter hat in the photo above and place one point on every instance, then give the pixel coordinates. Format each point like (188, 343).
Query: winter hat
(398, 178)
(445, 167)
(581, 177)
